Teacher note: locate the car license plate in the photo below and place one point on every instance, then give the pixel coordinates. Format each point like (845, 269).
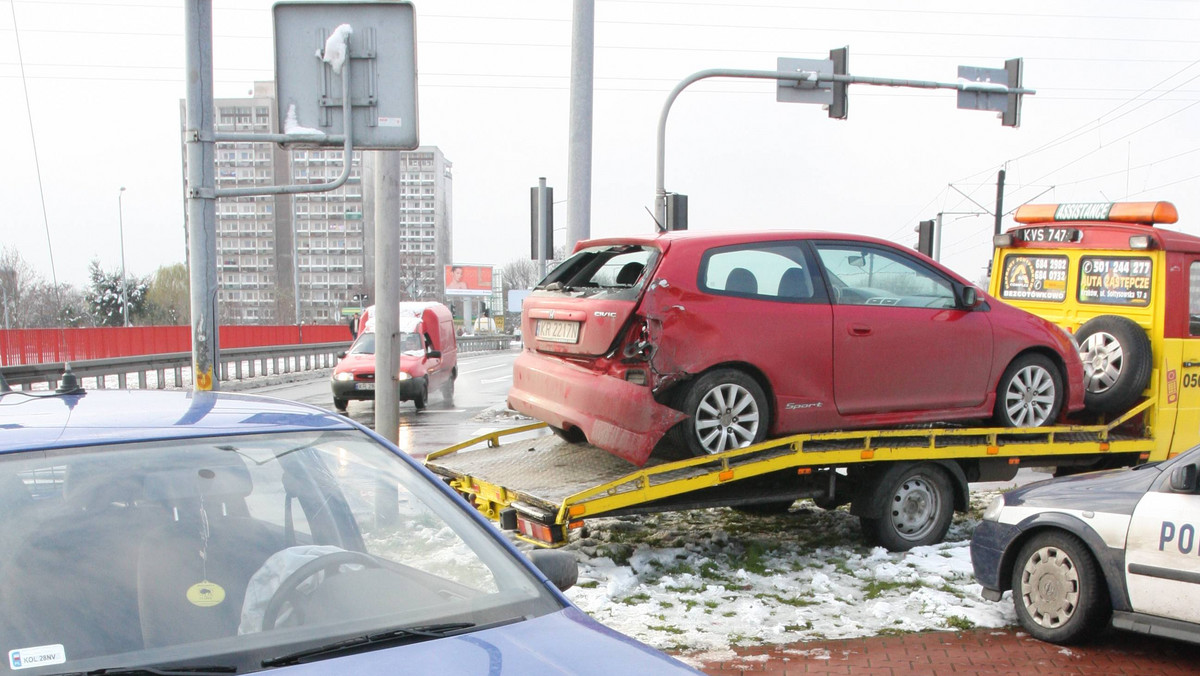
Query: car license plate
(558, 331)
(364, 386)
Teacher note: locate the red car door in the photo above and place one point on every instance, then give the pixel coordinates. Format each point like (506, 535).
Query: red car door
(900, 343)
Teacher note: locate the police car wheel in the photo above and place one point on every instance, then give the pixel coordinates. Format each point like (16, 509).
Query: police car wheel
(1058, 589)
(1117, 361)
(1030, 393)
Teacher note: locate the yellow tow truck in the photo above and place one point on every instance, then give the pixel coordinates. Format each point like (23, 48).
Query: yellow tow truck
(1127, 289)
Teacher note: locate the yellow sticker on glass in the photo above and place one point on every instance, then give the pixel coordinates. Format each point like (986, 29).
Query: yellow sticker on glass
(205, 594)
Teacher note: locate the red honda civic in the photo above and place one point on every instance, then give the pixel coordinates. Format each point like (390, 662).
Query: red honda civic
(724, 339)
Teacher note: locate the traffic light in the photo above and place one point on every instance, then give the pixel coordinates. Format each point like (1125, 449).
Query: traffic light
(839, 108)
(925, 238)
(677, 215)
(1011, 117)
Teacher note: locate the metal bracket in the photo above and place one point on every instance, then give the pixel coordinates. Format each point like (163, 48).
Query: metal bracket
(202, 193)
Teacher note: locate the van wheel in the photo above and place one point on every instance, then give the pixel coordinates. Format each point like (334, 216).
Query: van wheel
(1117, 361)
(1030, 393)
(423, 396)
(727, 409)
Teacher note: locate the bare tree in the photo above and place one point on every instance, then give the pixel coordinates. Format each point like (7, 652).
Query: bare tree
(168, 300)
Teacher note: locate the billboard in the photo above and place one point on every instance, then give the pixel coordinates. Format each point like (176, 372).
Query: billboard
(468, 280)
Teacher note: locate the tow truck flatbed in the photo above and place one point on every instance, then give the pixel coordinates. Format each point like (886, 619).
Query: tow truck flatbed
(549, 485)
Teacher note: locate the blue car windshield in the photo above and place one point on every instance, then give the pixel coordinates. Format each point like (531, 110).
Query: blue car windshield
(233, 550)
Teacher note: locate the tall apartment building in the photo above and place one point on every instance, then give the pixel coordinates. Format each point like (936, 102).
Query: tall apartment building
(318, 248)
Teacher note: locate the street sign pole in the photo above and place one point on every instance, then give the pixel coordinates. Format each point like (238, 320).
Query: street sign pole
(201, 194)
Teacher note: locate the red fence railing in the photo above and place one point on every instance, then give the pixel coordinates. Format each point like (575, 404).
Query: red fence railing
(40, 346)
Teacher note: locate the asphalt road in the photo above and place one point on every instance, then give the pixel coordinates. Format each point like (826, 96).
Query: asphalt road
(483, 382)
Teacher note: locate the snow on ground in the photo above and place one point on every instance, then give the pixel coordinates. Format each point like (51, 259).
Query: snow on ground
(701, 581)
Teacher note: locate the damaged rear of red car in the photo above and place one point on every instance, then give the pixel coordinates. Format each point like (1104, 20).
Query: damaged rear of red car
(747, 335)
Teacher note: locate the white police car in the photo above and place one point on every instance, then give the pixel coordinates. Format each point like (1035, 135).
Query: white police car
(1081, 550)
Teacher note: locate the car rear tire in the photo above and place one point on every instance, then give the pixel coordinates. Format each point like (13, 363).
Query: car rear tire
(571, 435)
(1058, 590)
(1030, 393)
(1117, 361)
(423, 396)
(916, 512)
(448, 389)
(726, 409)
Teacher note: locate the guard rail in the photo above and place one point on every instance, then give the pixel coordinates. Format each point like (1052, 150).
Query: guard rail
(236, 364)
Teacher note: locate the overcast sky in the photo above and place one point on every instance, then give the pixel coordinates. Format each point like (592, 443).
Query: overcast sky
(1115, 116)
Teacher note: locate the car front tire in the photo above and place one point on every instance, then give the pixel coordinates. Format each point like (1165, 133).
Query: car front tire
(1058, 589)
(340, 404)
(1030, 393)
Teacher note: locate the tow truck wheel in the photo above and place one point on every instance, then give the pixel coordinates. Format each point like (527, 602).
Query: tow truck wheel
(918, 511)
(1058, 590)
(1030, 393)
(727, 409)
(1116, 363)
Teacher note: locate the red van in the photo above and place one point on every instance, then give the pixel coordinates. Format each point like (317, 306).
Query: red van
(727, 338)
(428, 357)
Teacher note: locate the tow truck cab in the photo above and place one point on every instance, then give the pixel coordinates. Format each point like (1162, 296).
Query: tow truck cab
(1128, 290)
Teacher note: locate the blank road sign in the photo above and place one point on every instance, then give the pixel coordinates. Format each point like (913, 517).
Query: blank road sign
(381, 65)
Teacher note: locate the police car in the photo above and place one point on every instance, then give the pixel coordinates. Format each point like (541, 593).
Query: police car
(1080, 551)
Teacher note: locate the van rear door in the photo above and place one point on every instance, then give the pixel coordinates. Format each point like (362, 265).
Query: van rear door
(582, 306)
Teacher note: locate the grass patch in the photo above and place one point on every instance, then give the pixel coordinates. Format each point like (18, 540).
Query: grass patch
(710, 571)
(797, 602)
(590, 584)
(875, 588)
(959, 623)
(798, 627)
(684, 590)
(664, 628)
(635, 599)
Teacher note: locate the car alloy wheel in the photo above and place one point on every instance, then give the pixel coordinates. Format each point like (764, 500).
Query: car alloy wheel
(727, 418)
(1030, 397)
(1102, 355)
(727, 409)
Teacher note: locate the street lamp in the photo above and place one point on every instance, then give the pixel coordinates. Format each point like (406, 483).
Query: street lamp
(121, 226)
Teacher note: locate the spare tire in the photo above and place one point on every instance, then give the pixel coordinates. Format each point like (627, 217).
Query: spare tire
(1117, 361)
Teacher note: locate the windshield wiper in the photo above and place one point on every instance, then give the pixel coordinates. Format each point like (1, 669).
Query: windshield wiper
(154, 671)
(383, 638)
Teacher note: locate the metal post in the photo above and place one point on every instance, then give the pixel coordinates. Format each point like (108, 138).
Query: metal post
(579, 158)
(121, 228)
(201, 193)
(541, 229)
(937, 238)
(999, 202)
(387, 295)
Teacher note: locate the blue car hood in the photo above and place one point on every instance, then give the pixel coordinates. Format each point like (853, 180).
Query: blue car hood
(1113, 491)
(566, 642)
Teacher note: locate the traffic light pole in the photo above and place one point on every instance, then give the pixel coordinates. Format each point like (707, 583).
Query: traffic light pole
(803, 79)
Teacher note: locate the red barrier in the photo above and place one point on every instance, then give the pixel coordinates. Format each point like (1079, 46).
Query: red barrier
(39, 346)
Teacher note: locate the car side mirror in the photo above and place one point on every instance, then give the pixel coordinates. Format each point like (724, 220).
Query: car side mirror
(342, 354)
(561, 568)
(968, 298)
(1183, 479)
(433, 354)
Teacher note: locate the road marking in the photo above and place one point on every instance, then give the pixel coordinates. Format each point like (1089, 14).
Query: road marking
(488, 368)
(486, 381)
